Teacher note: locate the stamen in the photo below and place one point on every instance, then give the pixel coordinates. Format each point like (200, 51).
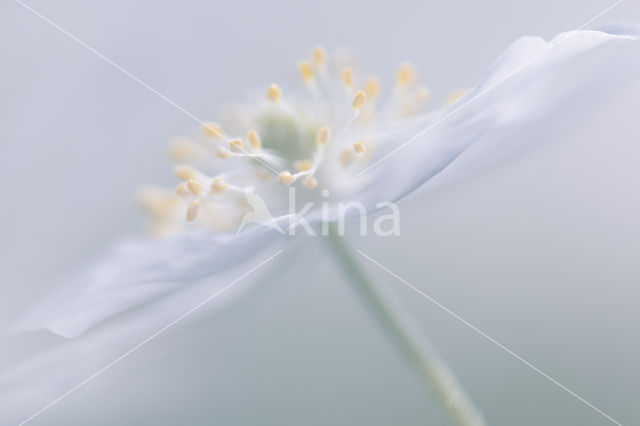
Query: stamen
(311, 182)
(423, 94)
(236, 145)
(405, 75)
(182, 150)
(323, 136)
(192, 210)
(274, 93)
(182, 190)
(372, 87)
(347, 157)
(213, 130)
(194, 187)
(157, 202)
(254, 139)
(306, 71)
(358, 100)
(358, 147)
(223, 153)
(319, 56)
(287, 178)
(219, 185)
(184, 172)
(304, 165)
(347, 77)
(455, 96)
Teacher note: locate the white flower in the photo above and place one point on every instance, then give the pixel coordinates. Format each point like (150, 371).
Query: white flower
(343, 132)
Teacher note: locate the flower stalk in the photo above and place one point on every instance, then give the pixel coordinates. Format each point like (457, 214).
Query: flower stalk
(410, 341)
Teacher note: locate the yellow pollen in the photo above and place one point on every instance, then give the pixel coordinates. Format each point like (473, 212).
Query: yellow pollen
(358, 147)
(423, 94)
(212, 129)
(194, 187)
(304, 165)
(274, 93)
(372, 87)
(319, 55)
(311, 182)
(223, 153)
(358, 100)
(263, 174)
(192, 210)
(287, 178)
(182, 150)
(306, 71)
(219, 184)
(184, 172)
(236, 145)
(182, 190)
(323, 136)
(347, 157)
(254, 139)
(157, 202)
(405, 75)
(347, 77)
(455, 96)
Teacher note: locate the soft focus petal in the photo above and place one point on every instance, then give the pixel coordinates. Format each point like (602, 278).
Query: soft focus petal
(134, 272)
(534, 87)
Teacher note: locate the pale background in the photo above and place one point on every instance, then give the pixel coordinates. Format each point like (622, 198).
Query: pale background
(541, 253)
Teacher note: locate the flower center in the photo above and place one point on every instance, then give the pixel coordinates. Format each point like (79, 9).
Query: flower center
(323, 136)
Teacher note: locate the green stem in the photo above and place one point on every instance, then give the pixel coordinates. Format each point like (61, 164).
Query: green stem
(407, 338)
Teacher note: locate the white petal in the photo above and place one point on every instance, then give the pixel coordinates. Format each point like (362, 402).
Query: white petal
(533, 88)
(140, 270)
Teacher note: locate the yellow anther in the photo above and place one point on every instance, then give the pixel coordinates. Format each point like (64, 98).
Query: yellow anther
(223, 153)
(306, 71)
(358, 100)
(347, 157)
(274, 93)
(319, 55)
(192, 210)
(219, 185)
(287, 178)
(405, 75)
(347, 77)
(182, 150)
(358, 147)
(183, 190)
(455, 96)
(311, 182)
(194, 187)
(184, 172)
(423, 94)
(263, 173)
(156, 201)
(322, 137)
(304, 165)
(236, 145)
(213, 130)
(254, 139)
(372, 87)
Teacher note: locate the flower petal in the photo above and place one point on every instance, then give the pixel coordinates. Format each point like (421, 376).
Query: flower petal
(532, 88)
(137, 271)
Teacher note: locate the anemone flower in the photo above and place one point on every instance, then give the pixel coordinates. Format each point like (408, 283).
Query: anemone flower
(342, 137)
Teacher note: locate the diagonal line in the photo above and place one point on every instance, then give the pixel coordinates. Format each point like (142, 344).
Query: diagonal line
(491, 339)
(139, 81)
(145, 341)
(482, 93)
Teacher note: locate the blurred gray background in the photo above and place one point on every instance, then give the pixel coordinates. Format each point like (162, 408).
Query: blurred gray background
(540, 252)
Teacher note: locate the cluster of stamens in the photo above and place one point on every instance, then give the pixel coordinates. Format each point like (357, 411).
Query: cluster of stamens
(284, 140)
